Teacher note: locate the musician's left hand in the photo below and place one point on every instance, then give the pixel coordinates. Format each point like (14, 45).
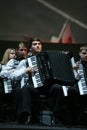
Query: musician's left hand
(76, 66)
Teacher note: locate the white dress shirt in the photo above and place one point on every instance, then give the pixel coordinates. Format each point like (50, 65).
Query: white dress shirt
(18, 73)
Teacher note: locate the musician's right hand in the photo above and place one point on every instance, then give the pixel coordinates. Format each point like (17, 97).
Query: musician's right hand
(29, 70)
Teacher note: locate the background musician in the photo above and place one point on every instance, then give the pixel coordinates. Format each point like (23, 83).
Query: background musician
(21, 53)
(77, 93)
(11, 58)
(10, 53)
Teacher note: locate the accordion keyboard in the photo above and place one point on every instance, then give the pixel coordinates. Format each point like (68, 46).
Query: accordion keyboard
(32, 61)
(7, 86)
(82, 83)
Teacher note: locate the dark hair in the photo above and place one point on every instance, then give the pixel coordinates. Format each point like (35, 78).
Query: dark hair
(22, 44)
(33, 39)
(83, 48)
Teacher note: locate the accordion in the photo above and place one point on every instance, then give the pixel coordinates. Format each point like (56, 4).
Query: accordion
(52, 66)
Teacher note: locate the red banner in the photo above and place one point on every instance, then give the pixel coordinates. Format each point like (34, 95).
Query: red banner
(66, 35)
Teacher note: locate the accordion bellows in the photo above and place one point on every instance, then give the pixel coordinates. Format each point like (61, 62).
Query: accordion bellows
(55, 66)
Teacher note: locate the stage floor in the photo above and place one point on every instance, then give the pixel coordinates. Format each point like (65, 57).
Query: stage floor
(12, 126)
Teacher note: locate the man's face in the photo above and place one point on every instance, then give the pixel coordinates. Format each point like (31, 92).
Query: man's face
(23, 51)
(83, 55)
(36, 47)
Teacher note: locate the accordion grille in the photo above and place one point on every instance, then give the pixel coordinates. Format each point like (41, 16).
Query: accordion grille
(59, 66)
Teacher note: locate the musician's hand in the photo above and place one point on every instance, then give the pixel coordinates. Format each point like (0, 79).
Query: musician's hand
(29, 70)
(76, 66)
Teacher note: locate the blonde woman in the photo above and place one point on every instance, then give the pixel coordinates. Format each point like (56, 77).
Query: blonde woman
(10, 53)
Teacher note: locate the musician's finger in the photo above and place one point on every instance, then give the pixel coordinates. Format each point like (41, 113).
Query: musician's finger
(28, 69)
(32, 70)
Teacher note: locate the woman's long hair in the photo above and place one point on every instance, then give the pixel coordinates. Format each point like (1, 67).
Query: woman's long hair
(5, 58)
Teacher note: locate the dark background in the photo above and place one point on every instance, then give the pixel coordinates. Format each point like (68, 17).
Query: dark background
(22, 19)
(30, 18)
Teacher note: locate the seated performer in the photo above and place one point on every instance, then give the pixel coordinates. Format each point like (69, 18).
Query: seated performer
(15, 56)
(77, 94)
(10, 53)
(30, 95)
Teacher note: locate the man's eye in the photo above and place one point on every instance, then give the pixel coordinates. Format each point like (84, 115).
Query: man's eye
(21, 49)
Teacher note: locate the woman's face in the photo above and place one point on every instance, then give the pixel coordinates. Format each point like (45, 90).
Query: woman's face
(12, 54)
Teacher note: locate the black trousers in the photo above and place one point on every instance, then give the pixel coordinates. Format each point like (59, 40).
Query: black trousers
(29, 96)
(76, 103)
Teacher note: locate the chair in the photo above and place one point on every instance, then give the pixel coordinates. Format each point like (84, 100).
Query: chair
(45, 114)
